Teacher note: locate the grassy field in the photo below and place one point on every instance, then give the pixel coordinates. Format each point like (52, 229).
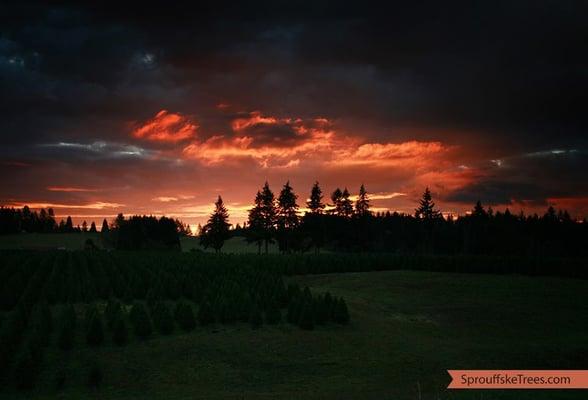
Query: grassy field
(407, 328)
(69, 241)
(235, 245)
(75, 241)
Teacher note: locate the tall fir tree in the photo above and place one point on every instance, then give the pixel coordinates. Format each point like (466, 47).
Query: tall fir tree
(216, 230)
(337, 199)
(346, 204)
(315, 203)
(105, 229)
(362, 205)
(426, 209)
(69, 225)
(286, 217)
(287, 210)
(255, 231)
(93, 227)
(268, 214)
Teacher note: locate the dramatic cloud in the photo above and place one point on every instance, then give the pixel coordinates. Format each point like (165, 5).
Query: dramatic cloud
(163, 109)
(166, 127)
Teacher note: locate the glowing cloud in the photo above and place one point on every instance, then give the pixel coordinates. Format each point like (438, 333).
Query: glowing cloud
(98, 205)
(70, 189)
(166, 127)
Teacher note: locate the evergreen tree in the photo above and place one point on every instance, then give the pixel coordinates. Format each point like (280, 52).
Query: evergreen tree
(315, 203)
(426, 209)
(105, 229)
(255, 318)
(337, 199)
(362, 205)
(478, 211)
(119, 331)
(287, 210)
(273, 315)
(286, 217)
(95, 332)
(163, 319)
(216, 231)
(255, 231)
(306, 320)
(268, 214)
(95, 376)
(205, 314)
(69, 225)
(25, 369)
(140, 320)
(93, 227)
(184, 316)
(346, 204)
(84, 227)
(66, 335)
(341, 314)
(112, 312)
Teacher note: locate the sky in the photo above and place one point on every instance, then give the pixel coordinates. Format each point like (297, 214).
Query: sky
(159, 108)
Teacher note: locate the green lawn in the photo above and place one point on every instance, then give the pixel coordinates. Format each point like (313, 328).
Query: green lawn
(407, 328)
(235, 245)
(75, 241)
(69, 241)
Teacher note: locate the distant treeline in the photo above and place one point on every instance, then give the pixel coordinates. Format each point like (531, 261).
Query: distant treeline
(132, 233)
(347, 226)
(142, 232)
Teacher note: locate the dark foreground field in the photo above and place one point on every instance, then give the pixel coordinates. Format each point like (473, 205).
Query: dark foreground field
(406, 329)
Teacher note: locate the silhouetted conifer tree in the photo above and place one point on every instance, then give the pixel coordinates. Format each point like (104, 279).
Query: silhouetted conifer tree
(426, 209)
(256, 229)
(184, 316)
(119, 331)
(216, 231)
(140, 320)
(362, 205)
(286, 216)
(205, 314)
(346, 204)
(255, 318)
(95, 332)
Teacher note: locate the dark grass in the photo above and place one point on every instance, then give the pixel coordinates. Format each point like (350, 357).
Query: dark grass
(407, 328)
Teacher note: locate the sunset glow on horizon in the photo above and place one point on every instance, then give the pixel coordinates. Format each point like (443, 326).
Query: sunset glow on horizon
(127, 118)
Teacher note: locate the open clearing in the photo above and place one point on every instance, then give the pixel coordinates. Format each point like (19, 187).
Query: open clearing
(407, 329)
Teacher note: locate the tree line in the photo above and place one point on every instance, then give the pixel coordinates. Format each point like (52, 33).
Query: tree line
(345, 225)
(19, 220)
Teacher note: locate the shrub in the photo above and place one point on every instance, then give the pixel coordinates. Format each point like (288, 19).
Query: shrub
(273, 315)
(306, 320)
(255, 318)
(205, 315)
(95, 332)
(60, 378)
(95, 376)
(185, 316)
(294, 309)
(341, 314)
(24, 370)
(163, 319)
(120, 333)
(112, 311)
(140, 320)
(66, 334)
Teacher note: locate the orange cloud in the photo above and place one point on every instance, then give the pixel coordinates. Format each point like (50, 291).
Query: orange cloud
(254, 118)
(69, 189)
(98, 205)
(166, 127)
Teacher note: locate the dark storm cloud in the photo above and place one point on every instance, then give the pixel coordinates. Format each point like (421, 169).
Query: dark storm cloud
(531, 177)
(500, 78)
